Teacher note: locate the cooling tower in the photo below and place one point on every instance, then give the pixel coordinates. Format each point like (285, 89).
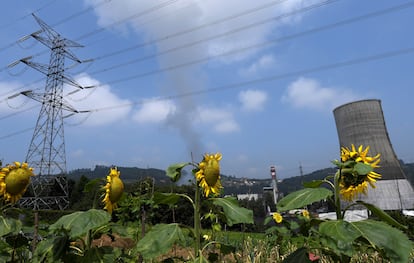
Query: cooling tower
(362, 123)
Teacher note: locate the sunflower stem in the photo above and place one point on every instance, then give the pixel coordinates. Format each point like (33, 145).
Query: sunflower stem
(197, 225)
(337, 197)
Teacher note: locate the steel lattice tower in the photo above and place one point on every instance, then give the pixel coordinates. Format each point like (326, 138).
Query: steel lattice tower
(46, 153)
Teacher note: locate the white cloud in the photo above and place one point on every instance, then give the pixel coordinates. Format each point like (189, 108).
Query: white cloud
(252, 100)
(154, 111)
(159, 20)
(78, 153)
(221, 120)
(309, 93)
(106, 106)
(226, 126)
(263, 63)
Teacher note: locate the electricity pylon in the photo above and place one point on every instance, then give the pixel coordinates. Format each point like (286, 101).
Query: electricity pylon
(46, 153)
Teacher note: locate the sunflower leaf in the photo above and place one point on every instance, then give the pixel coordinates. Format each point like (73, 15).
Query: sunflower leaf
(79, 223)
(159, 240)
(339, 236)
(313, 183)
(166, 198)
(363, 168)
(298, 256)
(267, 220)
(382, 215)
(233, 212)
(302, 198)
(9, 225)
(392, 242)
(174, 171)
(91, 185)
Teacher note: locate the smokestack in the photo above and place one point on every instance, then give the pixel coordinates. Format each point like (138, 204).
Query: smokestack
(274, 183)
(362, 123)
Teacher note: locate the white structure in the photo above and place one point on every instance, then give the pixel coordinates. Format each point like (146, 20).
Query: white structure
(273, 187)
(248, 196)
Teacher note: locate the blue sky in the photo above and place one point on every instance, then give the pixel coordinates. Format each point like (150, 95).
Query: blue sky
(254, 80)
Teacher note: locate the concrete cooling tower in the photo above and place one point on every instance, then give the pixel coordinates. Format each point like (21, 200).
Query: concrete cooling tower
(362, 123)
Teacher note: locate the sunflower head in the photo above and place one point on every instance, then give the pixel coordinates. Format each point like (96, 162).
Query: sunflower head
(208, 175)
(305, 213)
(357, 171)
(114, 188)
(14, 180)
(277, 217)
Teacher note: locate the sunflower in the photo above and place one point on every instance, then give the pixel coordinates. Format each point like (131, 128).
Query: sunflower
(113, 190)
(277, 217)
(305, 213)
(208, 175)
(14, 180)
(351, 182)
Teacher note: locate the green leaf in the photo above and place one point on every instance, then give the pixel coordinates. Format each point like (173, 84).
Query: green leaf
(174, 171)
(159, 240)
(200, 259)
(91, 185)
(233, 212)
(313, 183)
(340, 236)
(166, 198)
(299, 256)
(267, 220)
(382, 215)
(337, 163)
(5, 251)
(79, 223)
(51, 250)
(340, 230)
(44, 251)
(394, 243)
(362, 168)
(98, 254)
(9, 225)
(226, 249)
(293, 225)
(302, 198)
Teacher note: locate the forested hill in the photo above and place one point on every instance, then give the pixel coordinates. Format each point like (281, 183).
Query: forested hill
(128, 174)
(231, 184)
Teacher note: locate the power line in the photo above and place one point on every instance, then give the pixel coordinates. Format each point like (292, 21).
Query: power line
(325, 67)
(246, 48)
(103, 2)
(86, 10)
(27, 15)
(152, 9)
(134, 16)
(16, 133)
(16, 113)
(225, 34)
(289, 37)
(257, 45)
(320, 68)
(329, 26)
(168, 37)
(192, 30)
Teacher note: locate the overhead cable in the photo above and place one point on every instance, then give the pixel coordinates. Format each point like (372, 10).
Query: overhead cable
(301, 72)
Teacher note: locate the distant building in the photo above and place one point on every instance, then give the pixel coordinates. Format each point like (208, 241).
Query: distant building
(248, 196)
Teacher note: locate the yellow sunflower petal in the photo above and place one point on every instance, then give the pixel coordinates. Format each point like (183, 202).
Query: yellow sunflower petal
(14, 180)
(208, 175)
(114, 189)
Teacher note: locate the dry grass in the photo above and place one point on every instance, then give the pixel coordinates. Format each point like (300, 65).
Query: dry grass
(258, 251)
